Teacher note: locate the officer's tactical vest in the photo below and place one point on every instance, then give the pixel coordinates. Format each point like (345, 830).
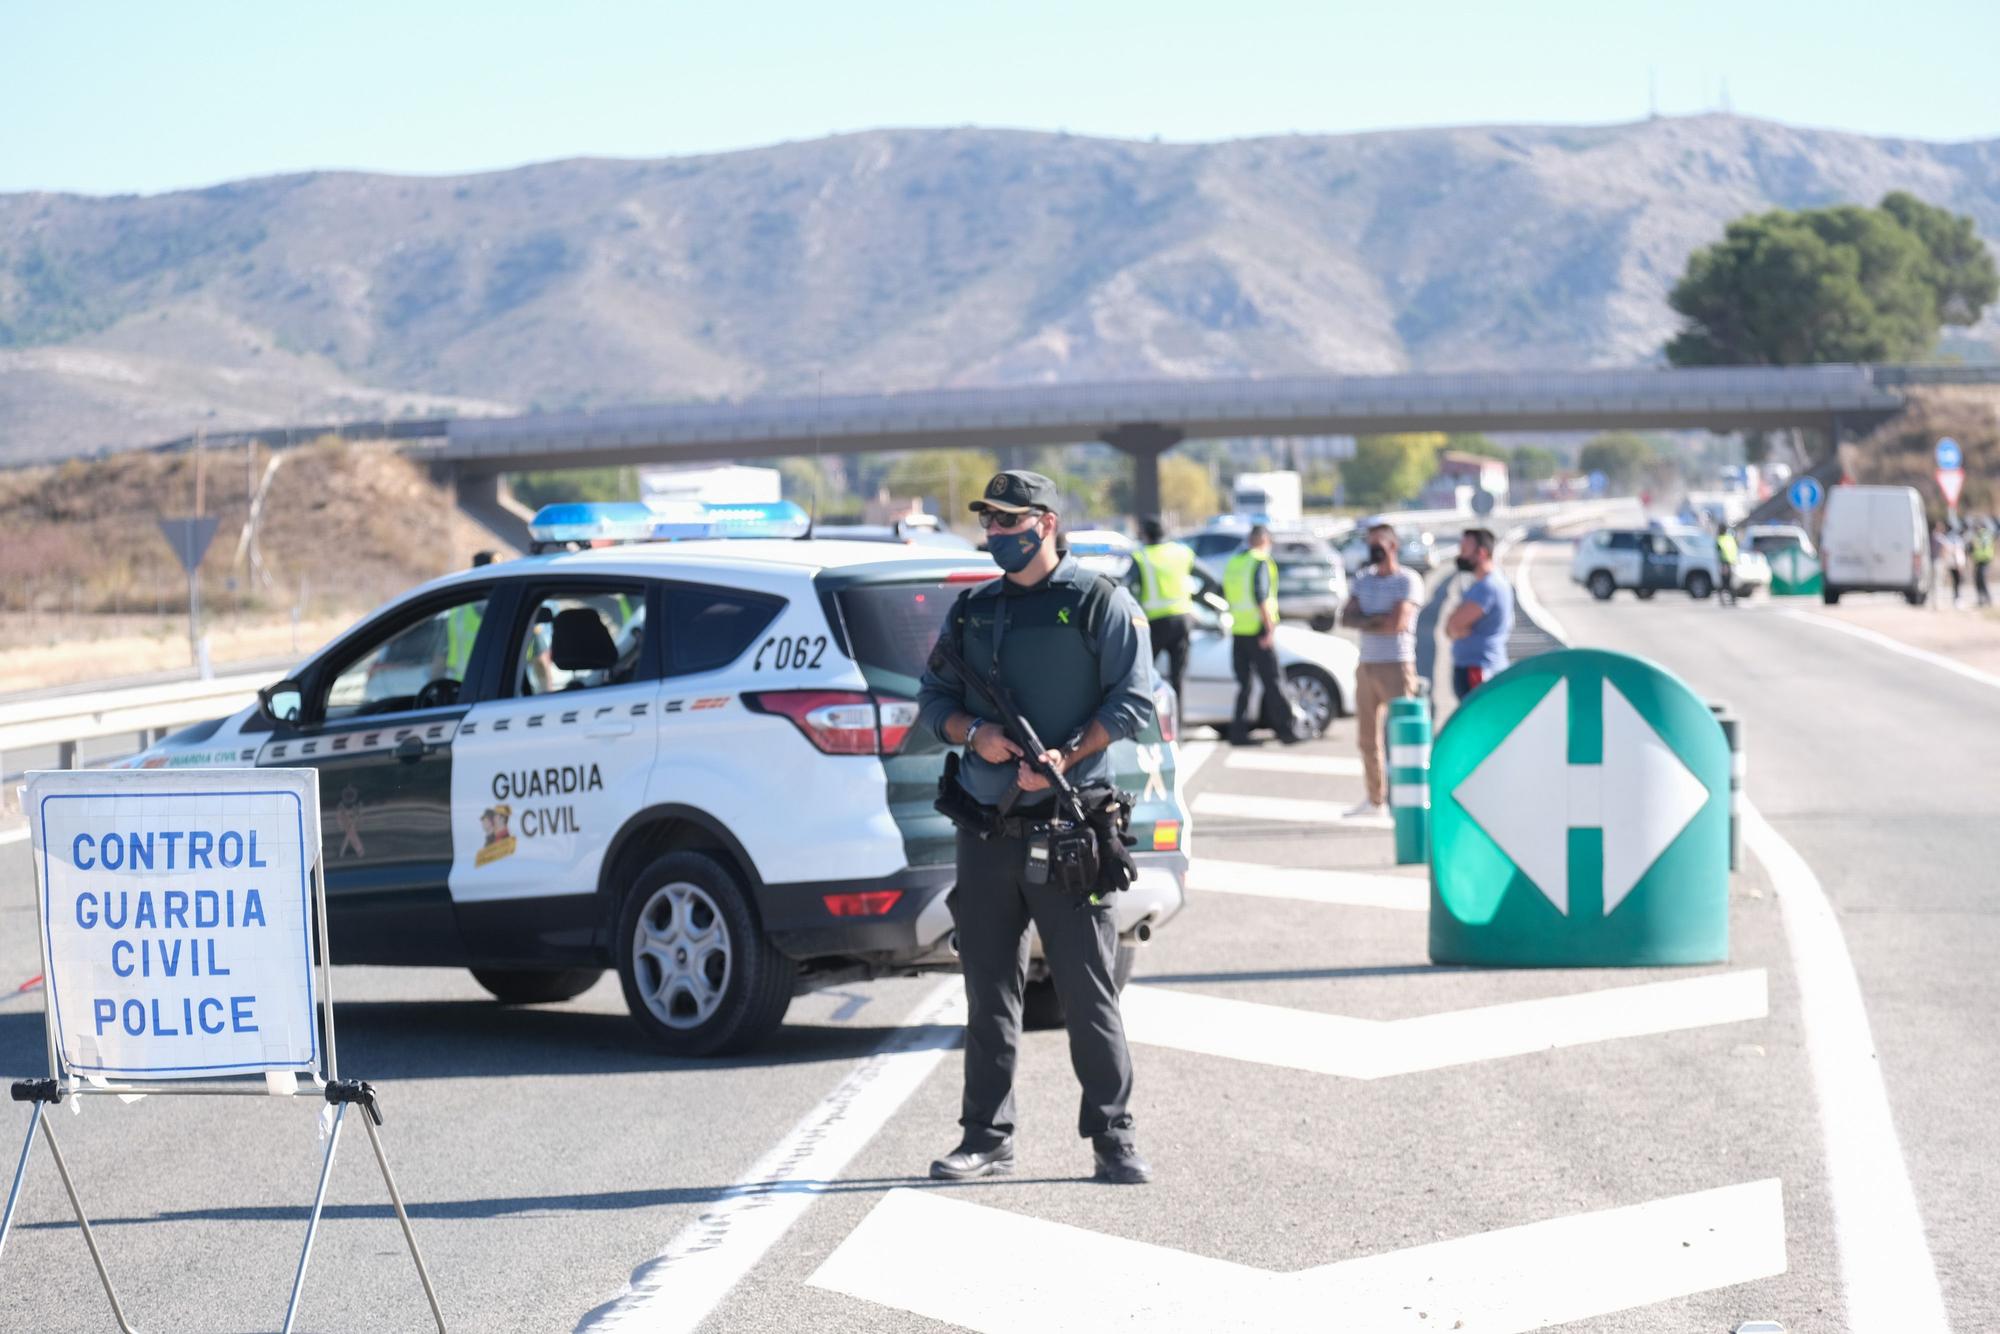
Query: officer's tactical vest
(1239, 585)
(1166, 580)
(1048, 652)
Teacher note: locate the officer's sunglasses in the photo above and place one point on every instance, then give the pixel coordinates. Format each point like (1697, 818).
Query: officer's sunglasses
(991, 519)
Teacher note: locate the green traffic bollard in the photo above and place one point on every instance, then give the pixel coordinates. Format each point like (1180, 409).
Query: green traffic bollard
(1409, 780)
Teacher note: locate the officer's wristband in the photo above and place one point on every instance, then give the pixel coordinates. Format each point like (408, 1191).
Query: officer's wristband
(971, 729)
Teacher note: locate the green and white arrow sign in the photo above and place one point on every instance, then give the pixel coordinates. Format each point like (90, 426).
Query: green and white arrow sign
(1580, 815)
(1794, 573)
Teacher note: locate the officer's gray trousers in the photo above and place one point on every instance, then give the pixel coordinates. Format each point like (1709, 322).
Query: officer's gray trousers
(992, 907)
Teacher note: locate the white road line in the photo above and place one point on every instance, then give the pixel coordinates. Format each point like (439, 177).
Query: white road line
(909, 1254)
(1894, 645)
(680, 1287)
(1352, 889)
(1350, 1048)
(1524, 593)
(1328, 766)
(1885, 1262)
(1287, 810)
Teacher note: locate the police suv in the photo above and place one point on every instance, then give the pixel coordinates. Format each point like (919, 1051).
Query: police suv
(692, 761)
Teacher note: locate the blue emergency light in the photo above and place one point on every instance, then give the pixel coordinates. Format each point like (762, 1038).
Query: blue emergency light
(592, 521)
(775, 518)
(635, 521)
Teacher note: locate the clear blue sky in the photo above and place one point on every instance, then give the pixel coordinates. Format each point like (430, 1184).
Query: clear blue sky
(123, 96)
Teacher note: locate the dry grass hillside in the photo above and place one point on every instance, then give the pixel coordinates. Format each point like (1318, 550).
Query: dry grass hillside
(89, 588)
(1902, 451)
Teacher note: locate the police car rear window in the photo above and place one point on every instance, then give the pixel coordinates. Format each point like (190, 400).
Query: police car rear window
(709, 628)
(893, 626)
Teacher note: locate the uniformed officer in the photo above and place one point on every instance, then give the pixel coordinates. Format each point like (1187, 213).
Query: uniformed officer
(1725, 562)
(1166, 593)
(1250, 582)
(1072, 648)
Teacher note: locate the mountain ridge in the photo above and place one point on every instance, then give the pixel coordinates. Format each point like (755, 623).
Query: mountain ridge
(892, 259)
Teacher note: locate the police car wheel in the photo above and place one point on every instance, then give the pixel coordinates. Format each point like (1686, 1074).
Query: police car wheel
(1700, 585)
(699, 976)
(1315, 695)
(1602, 585)
(1041, 1008)
(536, 986)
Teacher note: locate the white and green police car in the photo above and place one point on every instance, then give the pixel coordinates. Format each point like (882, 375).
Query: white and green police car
(692, 761)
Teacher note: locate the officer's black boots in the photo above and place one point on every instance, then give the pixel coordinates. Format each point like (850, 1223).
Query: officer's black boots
(1119, 1163)
(968, 1164)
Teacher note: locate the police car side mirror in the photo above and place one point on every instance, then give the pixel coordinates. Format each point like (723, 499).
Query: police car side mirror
(283, 702)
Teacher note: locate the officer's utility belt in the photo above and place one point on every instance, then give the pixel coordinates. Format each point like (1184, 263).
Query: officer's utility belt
(1088, 859)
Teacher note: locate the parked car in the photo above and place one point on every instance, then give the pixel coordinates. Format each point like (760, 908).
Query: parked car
(606, 765)
(1646, 562)
(1875, 539)
(1770, 538)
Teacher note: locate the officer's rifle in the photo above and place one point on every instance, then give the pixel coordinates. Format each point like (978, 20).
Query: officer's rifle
(1018, 729)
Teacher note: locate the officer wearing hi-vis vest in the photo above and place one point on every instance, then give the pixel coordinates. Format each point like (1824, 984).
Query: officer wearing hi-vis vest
(1058, 655)
(1166, 594)
(1250, 582)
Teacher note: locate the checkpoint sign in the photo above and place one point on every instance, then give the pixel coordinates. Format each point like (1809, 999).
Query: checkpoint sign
(1580, 816)
(176, 913)
(1794, 573)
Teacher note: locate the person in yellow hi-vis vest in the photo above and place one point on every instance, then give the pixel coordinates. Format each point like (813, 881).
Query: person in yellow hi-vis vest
(1725, 561)
(1982, 556)
(1166, 593)
(1250, 582)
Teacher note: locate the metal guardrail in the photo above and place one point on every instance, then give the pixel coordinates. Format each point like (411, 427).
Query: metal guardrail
(143, 712)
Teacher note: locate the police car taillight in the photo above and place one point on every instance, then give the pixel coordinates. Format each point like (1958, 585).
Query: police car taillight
(842, 722)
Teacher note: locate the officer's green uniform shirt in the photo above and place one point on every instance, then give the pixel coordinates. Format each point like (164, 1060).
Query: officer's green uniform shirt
(1166, 580)
(1725, 548)
(1045, 660)
(1247, 583)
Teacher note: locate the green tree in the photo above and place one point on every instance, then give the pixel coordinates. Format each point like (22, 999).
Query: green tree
(1388, 469)
(1961, 273)
(1624, 459)
(1533, 463)
(950, 478)
(1185, 489)
(1832, 284)
(560, 485)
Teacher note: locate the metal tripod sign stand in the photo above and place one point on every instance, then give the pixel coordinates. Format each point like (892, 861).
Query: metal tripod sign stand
(183, 929)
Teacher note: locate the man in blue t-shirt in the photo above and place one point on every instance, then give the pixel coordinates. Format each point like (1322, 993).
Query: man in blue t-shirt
(1479, 627)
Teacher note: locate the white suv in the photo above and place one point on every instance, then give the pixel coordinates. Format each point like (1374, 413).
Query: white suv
(1648, 560)
(692, 762)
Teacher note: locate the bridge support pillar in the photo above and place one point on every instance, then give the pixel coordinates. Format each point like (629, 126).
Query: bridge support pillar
(1144, 442)
(485, 499)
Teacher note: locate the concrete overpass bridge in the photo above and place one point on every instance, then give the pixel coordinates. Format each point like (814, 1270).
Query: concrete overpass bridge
(1144, 419)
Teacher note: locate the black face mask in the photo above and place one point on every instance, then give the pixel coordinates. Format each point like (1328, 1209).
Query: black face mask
(1377, 554)
(1463, 563)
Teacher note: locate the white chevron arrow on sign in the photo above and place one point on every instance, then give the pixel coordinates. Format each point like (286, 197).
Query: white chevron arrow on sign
(910, 1253)
(1527, 796)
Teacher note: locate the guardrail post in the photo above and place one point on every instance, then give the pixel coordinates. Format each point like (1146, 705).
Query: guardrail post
(1409, 778)
(66, 755)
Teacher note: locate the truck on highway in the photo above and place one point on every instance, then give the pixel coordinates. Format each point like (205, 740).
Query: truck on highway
(1875, 539)
(1273, 498)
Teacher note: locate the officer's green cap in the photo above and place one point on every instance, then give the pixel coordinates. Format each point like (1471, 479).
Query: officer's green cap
(1016, 491)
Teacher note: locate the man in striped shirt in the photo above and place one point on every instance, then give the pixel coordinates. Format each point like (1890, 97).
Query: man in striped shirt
(1384, 609)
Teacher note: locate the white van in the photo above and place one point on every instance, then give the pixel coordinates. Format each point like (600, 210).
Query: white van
(1875, 539)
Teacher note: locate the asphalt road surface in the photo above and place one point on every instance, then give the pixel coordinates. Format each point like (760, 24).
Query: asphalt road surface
(1345, 1136)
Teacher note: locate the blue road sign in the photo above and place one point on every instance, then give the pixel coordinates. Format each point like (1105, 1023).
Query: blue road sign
(1805, 495)
(1949, 455)
(1597, 482)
